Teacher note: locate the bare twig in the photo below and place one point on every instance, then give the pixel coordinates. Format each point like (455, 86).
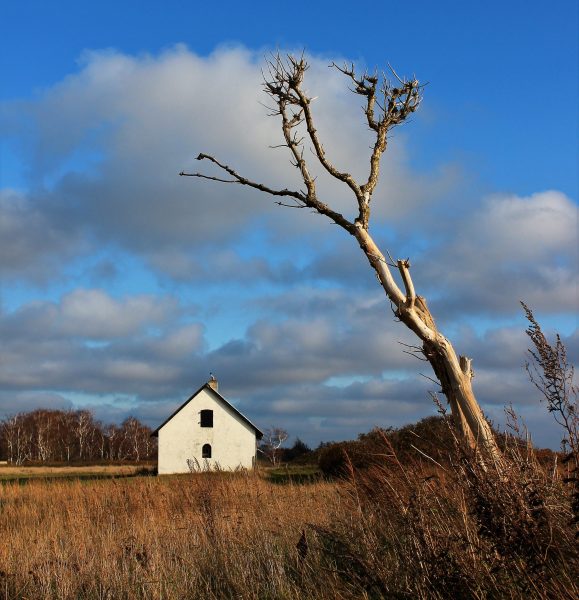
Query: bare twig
(430, 379)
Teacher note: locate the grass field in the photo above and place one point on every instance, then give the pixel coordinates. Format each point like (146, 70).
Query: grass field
(170, 537)
(10, 473)
(391, 531)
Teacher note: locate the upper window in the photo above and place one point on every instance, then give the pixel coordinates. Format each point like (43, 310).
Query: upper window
(206, 451)
(206, 418)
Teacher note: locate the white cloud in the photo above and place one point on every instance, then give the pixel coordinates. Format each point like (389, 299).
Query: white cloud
(92, 314)
(527, 228)
(509, 249)
(32, 243)
(104, 147)
(279, 372)
(107, 144)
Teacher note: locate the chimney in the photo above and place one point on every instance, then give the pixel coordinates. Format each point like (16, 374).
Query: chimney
(213, 384)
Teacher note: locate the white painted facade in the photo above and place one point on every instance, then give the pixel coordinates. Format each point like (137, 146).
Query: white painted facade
(232, 439)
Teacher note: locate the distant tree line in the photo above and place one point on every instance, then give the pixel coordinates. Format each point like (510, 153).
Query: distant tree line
(59, 436)
(431, 440)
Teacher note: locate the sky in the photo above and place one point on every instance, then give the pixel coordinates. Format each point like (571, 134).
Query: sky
(123, 285)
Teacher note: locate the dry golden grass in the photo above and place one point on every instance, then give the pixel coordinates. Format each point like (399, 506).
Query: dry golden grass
(391, 531)
(466, 529)
(207, 535)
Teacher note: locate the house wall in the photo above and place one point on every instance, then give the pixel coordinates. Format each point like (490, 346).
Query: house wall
(233, 442)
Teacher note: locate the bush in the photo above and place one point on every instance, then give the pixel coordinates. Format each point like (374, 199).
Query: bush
(299, 452)
(337, 459)
(409, 444)
(431, 436)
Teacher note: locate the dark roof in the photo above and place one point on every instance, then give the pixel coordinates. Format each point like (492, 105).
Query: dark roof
(219, 397)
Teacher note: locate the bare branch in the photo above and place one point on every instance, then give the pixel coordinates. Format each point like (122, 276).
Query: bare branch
(294, 144)
(398, 104)
(403, 267)
(294, 82)
(237, 178)
(283, 79)
(430, 379)
(305, 199)
(202, 176)
(466, 366)
(392, 262)
(415, 356)
(279, 203)
(395, 74)
(365, 86)
(283, 85)
(414, 351)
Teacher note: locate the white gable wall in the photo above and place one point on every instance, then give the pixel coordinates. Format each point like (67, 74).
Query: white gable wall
(233, 442)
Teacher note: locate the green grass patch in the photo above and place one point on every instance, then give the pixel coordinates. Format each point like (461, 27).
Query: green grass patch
(24, 475)
(293, 474)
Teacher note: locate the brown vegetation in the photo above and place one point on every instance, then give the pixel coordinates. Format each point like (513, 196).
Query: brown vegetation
(10, 472)
(389, 531)
(462, 530)
(198, 536)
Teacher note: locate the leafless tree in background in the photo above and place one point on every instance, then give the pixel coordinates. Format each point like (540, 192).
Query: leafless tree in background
(136, 439)
(83, 426)
(271, 443)
(386, 105)
(44, 435)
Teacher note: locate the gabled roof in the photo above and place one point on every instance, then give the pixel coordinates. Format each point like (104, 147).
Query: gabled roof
(220, 398)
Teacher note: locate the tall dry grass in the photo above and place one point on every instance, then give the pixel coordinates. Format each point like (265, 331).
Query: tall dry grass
(200, 536)
(393, 531)
(465, 530)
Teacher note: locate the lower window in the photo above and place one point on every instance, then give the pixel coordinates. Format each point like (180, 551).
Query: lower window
(206, 451)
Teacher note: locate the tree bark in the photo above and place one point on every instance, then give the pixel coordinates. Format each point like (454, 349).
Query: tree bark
(454, 372)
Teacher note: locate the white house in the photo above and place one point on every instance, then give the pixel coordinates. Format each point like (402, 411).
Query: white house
(206, 432)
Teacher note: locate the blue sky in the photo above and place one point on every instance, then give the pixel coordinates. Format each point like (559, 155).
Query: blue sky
(124, 285)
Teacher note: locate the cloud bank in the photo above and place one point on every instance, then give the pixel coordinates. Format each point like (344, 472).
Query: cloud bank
(126, 285)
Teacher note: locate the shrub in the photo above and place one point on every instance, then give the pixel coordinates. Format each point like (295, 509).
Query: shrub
(337, 459)
(299, 452)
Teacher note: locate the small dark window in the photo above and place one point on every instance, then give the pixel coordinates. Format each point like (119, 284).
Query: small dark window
(206, 418)
(206, 450)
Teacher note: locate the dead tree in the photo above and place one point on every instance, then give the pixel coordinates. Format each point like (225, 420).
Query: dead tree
(273, 440)
(386, 105)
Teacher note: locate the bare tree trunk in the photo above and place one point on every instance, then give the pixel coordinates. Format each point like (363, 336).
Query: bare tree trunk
(454, 372)
(385, 108)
